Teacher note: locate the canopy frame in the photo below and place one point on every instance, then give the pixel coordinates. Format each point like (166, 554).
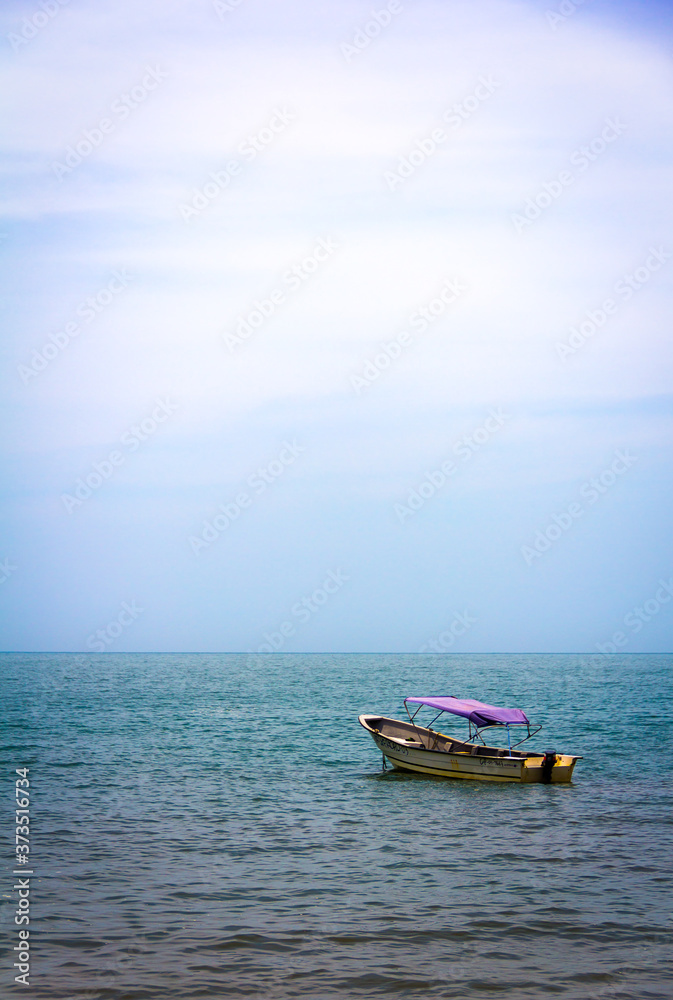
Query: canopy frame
(499, 725)
(477, 734)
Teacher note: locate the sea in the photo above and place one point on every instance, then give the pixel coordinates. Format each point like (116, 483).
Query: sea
(219, 825)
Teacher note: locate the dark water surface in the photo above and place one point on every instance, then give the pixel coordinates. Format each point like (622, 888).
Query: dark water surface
(219, 826)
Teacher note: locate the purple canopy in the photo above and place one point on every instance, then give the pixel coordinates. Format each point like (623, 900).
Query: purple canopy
(476, 711)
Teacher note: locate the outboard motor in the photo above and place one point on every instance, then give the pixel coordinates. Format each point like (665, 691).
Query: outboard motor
(547, 764)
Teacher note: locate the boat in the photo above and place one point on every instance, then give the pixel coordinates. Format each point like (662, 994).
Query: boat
(412, 747)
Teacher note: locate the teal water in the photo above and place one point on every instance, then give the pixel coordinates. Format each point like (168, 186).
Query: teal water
(219, 826)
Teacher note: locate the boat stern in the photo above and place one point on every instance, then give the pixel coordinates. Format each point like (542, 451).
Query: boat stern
(550, 768)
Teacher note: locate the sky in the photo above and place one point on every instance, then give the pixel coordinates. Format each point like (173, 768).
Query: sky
(336, 327)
